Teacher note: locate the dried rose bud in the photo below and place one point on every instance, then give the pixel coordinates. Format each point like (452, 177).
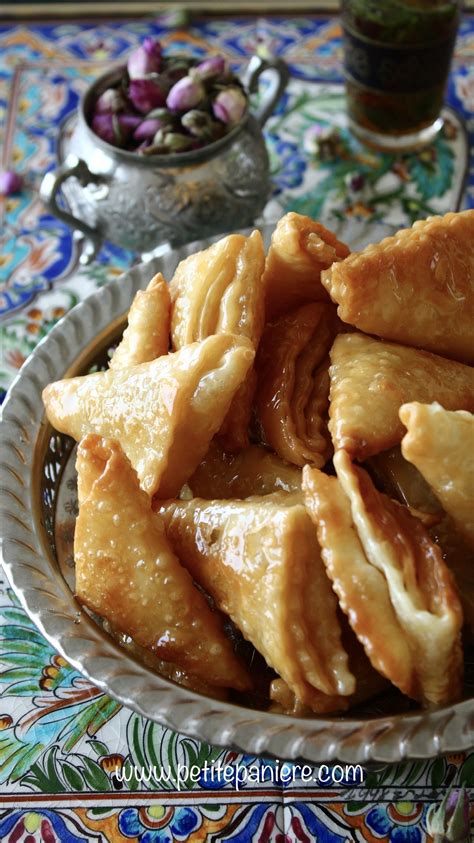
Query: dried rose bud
(199, 123)
(10, 183)
(449, 821)
(147, 129)
(176, 68)
(145, 59)
(163, 115)
(152, 149)
(185, 94)
(229, 106)
(159, 138)
(113, 128)
(176, 142)
(111, 101)
(145, 95)
(210, 68)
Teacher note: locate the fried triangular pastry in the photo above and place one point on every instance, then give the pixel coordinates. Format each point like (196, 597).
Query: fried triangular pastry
(440, 444)
(254, 471)
(163, 413)
(402, 481)
(293, 383)
(361, 588)
(260, 561)
(126, 571)
(284, 701)
(416, 287)
(147, 335)
(369, 682)
(220, 290)
(300, 249)
(371, 379)
(420, 587)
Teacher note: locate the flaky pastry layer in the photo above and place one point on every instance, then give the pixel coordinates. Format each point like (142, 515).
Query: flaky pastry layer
(220, 290)
(126, 571)
(293, 383)
(163, 413)
(371, 379)
(300, 249)
(416, 287)
(260, 561)
(440, 444)
(422, 590)
(147, 335)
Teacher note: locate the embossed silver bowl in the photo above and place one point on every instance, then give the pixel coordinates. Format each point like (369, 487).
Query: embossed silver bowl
(35, 474)
(140, 202)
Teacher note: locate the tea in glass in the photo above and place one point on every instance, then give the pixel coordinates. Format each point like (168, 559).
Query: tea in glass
(397, 56)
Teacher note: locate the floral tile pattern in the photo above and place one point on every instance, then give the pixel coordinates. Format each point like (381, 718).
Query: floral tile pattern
(67, 752)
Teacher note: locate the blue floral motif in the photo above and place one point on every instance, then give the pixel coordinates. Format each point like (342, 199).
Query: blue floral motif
(400, 822)
(63, 705)
(287, 164)
(158, 824)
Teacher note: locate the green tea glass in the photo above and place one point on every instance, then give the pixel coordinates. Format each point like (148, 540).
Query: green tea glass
(397, 55)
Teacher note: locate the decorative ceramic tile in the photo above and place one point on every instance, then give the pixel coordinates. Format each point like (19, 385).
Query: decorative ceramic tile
(67, 752)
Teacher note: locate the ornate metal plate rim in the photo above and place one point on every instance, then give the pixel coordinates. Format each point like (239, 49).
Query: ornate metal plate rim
(51, 605)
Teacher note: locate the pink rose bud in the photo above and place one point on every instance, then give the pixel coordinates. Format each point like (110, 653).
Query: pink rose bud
(176, 69)
(103, 126)
(198, 123)
(111, 101)
(145, 59)
(10, 183)
(129, 122)
(185, 94)
(147, 129)
(145, 95)
(210, 68)
(114, 129)
(229, 106)
(449, 821)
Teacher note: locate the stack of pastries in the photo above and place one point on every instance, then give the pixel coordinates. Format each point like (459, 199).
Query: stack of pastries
(281, 451)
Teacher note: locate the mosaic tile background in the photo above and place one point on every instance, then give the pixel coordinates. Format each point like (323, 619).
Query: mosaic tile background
(62, 742)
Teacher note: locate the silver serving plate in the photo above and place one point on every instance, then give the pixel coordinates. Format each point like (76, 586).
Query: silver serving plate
(32, 476)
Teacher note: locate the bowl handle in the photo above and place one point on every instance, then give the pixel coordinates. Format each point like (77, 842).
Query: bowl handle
(279, 77)
(50, 187)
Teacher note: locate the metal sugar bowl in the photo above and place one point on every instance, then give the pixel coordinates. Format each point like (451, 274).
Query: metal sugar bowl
(144, 202)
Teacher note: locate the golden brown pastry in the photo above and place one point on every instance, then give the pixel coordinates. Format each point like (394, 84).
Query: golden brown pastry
(441, 445)
(168, 670)
(220, 290)
(148, 333)
(284, 701)
(300, 249)
(292, 393)
(361, 588)
(416, 287)
(260, 562)
(391, 582)
(126, 571)
(401, 480)
(163, 413)
(254, 471)
(369, 683)
(371, 379)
